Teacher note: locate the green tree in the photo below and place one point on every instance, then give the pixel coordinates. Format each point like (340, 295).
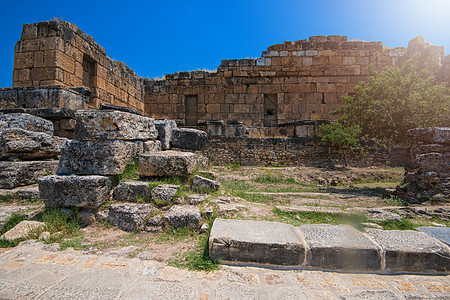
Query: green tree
(340, 136)
(395, 100)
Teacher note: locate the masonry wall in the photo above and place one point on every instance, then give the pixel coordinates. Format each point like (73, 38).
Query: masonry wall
(58, 53)
(300, 80)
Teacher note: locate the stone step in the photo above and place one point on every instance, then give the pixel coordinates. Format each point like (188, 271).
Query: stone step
(330, 247)
(21, 173)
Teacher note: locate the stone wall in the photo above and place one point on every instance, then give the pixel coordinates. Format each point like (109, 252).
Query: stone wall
(300, 80)
(297, 151)
(58, 53)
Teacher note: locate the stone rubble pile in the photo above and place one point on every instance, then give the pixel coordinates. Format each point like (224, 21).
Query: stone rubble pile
(429, 179)
(106, 142)
(28, 150)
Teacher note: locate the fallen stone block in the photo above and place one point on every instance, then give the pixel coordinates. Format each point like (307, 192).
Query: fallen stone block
(110, 125)
(440, 233)
(340, 248)
(21, 230)
(164, 194)
(411, 251)
(21, 173)
(152, 146)
(195, 199)
(24, 144)
(435, 162)
(107, 106)
(131, 191)
(183, 216)
(98, 157)
(27, 122)
(7, 211)
(309, 209)
(204, 184)
(165, 129)
(166, 163)
(187, 138)
(22, 193)
(130, 216)
(74, 191)
(256, 241)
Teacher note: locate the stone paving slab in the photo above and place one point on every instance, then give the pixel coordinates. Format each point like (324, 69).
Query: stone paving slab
(256, 241)
(440, 233)
(340, 247)
(30, 272)
(412, 251)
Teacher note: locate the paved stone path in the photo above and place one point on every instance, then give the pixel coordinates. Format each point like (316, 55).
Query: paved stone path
(29, 271)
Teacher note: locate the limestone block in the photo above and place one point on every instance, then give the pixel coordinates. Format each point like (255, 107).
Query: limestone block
(152, 146)
(97, 157)
(187, 138)
(167, 163)
(131, 191)
(164, 194)
(431, 135)
(340, 247)
(109, 125)
(21, 173)
(130, 216)
(27, 122)
(21, 230)
(435, 162)
(412, 251)
(183, 216)
(201, 184)
(256, 241)
(74, 191)
(24, 144)
(440, 233)
(165, 129)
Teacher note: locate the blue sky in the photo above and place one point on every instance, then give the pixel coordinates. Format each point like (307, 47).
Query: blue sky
(159, 37)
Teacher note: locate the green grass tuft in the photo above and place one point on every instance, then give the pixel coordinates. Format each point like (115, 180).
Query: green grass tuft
(403, 224)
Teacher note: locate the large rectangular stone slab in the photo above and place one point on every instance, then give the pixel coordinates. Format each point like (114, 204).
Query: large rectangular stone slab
(412, 251)
(74, 191)
(110, 125)
(256, 241)
(187, 138)
(440, 233)
(98, 157)
(27, 122)
(340, 248)
(167, 163)
(24, 144)
(21, 173)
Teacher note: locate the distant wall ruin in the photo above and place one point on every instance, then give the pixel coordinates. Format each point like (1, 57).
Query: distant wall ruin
(301, 80)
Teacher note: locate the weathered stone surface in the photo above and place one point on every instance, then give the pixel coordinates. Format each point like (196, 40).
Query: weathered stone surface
(295, 208)
(164, 194)
(183, 216)
(166, 163)
(21, 173)
(195, 199)
(22, 230)
(440, 233)
(377, 214)
(431, 135)
(27, 122)
(7, 211)
(129, 216)
(152, 146)
(110, 125)
(24, 144)
(131, 191)
(86, 217)
(204, 184)
(435, 162)
(78, 191)
(107, 106)
(29, 193)
(187, 138)
(165, 129)
(340, 247)
(256, 241)
(97, 157)
(412, 251)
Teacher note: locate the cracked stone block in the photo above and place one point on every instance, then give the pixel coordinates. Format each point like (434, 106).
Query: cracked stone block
(99, 157)
(256, 241)
(130, 216)
(110, 125)
(74, 191)
(412, 251)
(131, 191)
(27, 122)
(21, 173)
(340, 247)
(164, 194)
(187, 138)
(165, 129)
(167, 163)
(183, 216)
(200, 184)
